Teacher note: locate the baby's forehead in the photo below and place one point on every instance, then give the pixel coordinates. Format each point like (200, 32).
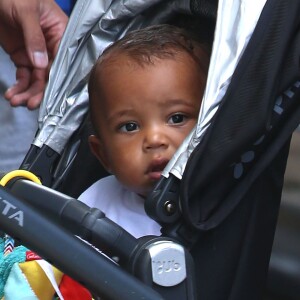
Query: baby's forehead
(119, 59)
(121, 65)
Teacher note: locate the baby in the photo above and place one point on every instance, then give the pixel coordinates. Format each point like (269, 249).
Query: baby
(145, 93)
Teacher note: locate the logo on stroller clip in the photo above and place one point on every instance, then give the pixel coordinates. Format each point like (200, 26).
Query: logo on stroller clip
(167, 263)
(166, 266)
(12, 212)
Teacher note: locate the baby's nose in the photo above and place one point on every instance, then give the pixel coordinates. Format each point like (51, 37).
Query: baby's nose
(155, 139)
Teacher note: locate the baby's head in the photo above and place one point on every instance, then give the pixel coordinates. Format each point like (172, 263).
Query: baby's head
(145, 94)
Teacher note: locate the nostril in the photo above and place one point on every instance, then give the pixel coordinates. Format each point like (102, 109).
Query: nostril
(156, 145)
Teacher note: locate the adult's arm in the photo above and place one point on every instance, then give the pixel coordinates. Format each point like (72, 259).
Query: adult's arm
(30, 32)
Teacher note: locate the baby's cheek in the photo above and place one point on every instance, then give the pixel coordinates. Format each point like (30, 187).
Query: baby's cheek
(133, 180)
(127, 175)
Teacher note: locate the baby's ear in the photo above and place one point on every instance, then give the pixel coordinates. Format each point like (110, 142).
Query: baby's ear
(98, 150)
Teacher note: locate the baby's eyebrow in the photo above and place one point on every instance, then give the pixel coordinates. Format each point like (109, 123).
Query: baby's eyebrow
(120, 114)
(177, 101)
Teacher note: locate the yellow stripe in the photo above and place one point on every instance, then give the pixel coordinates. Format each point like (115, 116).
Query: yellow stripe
(19, 173)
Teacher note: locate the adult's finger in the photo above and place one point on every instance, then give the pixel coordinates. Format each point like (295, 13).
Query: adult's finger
(23, 80)
(29, 18)
(29, 88)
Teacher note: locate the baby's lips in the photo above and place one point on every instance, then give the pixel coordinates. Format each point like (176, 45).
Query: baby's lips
(158, 165)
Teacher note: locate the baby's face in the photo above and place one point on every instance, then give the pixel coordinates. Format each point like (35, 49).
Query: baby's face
(145, 114)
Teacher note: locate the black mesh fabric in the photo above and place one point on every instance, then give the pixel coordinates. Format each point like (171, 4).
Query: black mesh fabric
(231, 188)
(267, 74)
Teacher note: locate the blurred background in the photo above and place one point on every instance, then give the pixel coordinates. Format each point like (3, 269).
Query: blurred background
(284, 270)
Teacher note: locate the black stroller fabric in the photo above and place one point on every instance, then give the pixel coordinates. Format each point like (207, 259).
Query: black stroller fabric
(232, 185)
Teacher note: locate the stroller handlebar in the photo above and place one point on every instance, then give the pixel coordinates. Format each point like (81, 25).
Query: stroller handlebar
(88, 223)
(51, 241)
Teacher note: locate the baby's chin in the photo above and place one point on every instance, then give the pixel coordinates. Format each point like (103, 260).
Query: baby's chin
(143, 190)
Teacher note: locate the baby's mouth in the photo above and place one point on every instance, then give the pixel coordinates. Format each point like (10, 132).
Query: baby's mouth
(156, 167)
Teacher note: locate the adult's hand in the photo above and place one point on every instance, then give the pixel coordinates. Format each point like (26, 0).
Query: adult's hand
(30, 32)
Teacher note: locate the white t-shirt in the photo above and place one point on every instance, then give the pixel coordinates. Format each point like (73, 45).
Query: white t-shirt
(121, 206)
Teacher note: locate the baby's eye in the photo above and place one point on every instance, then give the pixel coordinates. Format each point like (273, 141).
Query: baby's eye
(177, 118)
(128, 127)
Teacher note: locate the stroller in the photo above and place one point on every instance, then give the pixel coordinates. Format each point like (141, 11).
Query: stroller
(218, 199)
